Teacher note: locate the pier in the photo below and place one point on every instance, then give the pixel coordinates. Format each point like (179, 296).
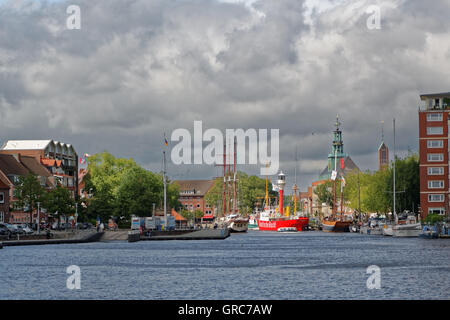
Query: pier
(203, 234)
(91, 237)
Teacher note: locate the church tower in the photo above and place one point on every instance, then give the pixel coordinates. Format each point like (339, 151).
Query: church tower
(383, 153)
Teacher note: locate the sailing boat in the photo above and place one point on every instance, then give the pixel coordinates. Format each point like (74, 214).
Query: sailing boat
(408, 227)
(234, 221)
(334, 224)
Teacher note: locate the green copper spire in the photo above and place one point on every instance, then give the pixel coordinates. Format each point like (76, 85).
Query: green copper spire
(337, 148)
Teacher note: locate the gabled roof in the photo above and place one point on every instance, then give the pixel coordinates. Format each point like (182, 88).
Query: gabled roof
(34, 166)
(4, 181)
(199, 186)
(51, 162)
(10, 166)
(178, 217)
(25, 144)
(349, 165)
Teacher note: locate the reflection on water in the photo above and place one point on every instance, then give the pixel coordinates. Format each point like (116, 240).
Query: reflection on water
(256, 265)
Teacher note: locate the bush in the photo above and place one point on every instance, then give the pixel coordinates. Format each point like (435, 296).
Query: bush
(433, 218)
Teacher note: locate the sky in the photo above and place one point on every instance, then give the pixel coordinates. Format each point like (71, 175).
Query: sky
(139, 68)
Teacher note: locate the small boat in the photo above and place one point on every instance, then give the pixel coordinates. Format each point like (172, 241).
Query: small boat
(429, 232)
(354, 228)
(387, 230)
(336, 226)
(409, 228)
(373, 227)
(287, 229)
(236, 223)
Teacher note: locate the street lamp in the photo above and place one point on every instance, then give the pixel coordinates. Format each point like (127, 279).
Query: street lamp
(38, 224)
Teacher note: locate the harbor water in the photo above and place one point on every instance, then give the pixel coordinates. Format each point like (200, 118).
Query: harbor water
(254, 265)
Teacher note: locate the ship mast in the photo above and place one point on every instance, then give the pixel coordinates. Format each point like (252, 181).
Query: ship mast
(267, 190)
(295, 183)
(234, 179)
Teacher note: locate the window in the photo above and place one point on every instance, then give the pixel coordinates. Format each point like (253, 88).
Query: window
(434, 117)
(2, 216)
(435, 198)
(435, 157)
(436, 184)
(436, 211)
(2, 197)
(435, 171)
(435, 143)
(435, 130)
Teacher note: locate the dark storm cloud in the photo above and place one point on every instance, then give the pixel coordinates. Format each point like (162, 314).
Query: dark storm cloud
(139, 68)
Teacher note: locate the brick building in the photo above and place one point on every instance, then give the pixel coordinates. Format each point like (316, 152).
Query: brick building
(434, 133)
(192, 196)
(60, 159)
(4, 197)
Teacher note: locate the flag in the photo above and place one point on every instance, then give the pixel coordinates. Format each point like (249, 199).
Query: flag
(333, 175)
(274, 187)
(165, 140)
(342, 163)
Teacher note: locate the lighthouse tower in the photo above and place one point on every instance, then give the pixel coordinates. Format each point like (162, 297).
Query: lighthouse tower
(281, 184)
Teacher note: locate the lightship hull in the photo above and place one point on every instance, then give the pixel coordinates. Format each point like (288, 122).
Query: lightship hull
(273, 225)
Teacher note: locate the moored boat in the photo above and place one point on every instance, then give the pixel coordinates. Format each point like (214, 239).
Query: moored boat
(411, 228)
(429, 232)
(287, 229)
(236, 223)
(272, 219)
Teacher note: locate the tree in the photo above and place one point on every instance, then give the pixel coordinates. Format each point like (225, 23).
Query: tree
(121, 187)
(407, 179)
(137, 191)
(60, 201)
(29, 192)
(325, 193)
(106, 172)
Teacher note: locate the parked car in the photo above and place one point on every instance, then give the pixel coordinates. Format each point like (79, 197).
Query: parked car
(4, 230)
(26, 229)
(14, 229)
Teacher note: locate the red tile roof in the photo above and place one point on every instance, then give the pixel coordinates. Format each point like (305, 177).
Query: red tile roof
(178, 217)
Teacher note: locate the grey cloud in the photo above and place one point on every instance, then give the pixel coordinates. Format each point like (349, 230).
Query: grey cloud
(139, 68)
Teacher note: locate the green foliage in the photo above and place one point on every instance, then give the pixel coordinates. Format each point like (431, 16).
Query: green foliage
(407, 179)
(29, 192)
(434, 218)
(137, 191)
(376, 189)
(123, 188)
(325, 193)
(60, 201)
(198, 214)
(188, 215)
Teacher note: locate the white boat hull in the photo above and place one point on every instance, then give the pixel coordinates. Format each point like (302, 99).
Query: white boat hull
(388, 232)
(407, 230)
(240, 226)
